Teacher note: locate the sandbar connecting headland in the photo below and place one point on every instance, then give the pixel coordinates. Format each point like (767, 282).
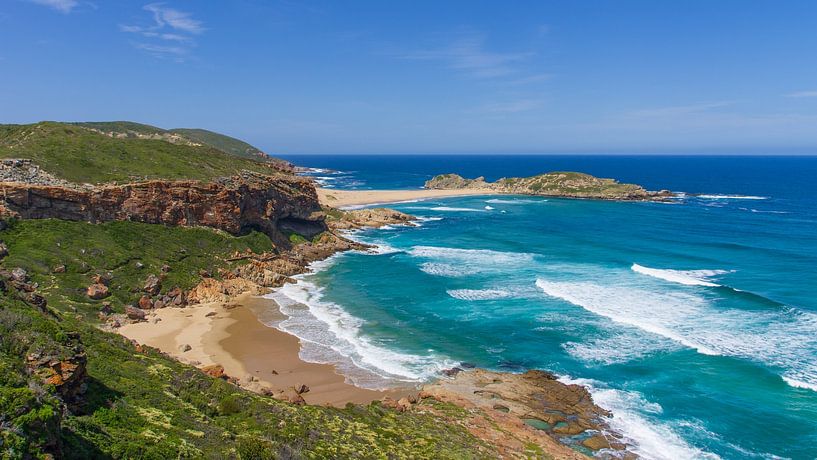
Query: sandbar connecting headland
(353, 198)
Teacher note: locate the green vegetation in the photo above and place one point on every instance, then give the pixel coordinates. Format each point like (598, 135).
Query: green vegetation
(559, 183)
(127, 128)
(141, 404)
(295, 238)
(224, 143)
(126, 251)
(77, 153)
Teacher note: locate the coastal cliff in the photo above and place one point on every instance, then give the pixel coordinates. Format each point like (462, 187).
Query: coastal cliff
(555, 184)
(84, 255)
(275, 205)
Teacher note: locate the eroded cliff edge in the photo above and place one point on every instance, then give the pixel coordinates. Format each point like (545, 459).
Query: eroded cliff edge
(276, 205)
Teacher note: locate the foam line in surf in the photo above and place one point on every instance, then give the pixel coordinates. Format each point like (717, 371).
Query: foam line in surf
(478, 294)
(733, 197)
(781, 339)
(686, 277)
(331, 335)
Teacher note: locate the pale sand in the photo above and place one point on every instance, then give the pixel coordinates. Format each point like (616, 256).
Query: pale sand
(234, 338)
(345, 198)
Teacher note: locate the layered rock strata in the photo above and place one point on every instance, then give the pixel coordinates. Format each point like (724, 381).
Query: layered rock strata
(275, 205)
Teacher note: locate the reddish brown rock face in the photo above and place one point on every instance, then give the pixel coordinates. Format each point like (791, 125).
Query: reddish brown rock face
(270, 204)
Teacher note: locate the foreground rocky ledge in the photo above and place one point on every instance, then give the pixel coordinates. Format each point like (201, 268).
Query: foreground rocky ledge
(555, 184)
(514, 409)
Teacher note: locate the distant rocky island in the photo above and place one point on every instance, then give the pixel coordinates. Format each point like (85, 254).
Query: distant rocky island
(554, 184)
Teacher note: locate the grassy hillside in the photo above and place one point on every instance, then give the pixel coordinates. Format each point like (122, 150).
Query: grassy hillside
(79, 154)
(121, 127)
(142, 404)
(224, 143)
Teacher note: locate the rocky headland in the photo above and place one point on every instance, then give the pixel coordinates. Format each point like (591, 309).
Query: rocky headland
(64, 292)
(553, 184)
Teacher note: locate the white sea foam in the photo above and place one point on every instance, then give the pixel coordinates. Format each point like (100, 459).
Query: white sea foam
(733, 197)
(632, 418)
(483, 257)
(478, 294)
(456, 262)
(378, 247)
(798, 384)
(619, 348)
(687, 277)
(329, 334)
(448, 270)
(767, 212)
(454, 209)
(489, 208)
(784, 339)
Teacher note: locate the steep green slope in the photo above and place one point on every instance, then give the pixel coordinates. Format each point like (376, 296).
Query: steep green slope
(81, 154)
(139, 403)
(224, 143)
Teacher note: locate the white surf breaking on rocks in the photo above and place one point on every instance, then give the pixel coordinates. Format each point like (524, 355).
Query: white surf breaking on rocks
(650, 438)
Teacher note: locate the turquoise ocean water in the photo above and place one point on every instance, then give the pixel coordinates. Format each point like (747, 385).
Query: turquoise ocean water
(694, 322)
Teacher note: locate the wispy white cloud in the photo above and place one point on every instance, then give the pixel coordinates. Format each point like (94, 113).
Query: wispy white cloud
(176, 19)
(63, 6)
(810, 93)
(468, 55)
(169, 25)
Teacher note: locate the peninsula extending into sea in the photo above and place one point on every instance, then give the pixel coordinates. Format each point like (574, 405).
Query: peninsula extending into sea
(135, 292)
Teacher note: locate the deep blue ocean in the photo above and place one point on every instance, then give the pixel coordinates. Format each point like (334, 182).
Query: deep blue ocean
(694, 322)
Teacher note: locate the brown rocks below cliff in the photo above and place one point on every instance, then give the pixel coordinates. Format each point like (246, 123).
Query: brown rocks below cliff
(371, 217)
(273, 205)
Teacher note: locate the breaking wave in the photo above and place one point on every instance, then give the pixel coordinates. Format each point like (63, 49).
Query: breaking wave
(686, 277)
(781, 338)
(331, 335)
(631, 418)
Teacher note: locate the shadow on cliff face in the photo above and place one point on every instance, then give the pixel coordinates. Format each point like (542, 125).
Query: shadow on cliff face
(306, 228)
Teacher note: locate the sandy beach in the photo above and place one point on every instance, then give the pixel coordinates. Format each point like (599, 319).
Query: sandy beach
(347, 198)
(230, 334)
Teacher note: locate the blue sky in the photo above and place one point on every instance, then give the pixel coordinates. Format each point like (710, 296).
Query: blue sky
(426, 77)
